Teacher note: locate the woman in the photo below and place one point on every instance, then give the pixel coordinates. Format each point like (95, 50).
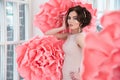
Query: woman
(76, 19)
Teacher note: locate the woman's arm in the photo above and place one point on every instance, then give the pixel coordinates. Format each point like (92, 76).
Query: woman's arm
(55, 32)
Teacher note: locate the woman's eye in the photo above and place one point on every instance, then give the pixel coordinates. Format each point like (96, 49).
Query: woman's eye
(69, 17)
(75, 18)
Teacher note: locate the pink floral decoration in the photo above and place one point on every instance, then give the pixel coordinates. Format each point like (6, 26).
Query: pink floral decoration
(40, 58)
(52, 12)
(102, 60)
(110, 18)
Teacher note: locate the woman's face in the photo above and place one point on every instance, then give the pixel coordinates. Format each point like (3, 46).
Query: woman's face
(73, 23)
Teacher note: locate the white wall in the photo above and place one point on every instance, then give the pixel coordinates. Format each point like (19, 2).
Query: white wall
(35, 10)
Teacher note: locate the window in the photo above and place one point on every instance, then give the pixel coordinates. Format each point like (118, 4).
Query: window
(14, 30)
(104, 6)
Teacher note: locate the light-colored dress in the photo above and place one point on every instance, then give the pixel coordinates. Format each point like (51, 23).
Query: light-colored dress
(73, 57)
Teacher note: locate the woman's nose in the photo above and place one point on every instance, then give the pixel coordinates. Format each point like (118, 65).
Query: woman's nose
(71, 20)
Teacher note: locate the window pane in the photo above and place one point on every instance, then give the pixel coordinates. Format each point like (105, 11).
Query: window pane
(0, 31)
(2, 62)
(0, 21)
(22, 20)
(9, 19)
(10, 62)
(117, 5)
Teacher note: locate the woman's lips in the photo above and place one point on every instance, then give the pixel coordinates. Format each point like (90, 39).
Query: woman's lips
(70, 25)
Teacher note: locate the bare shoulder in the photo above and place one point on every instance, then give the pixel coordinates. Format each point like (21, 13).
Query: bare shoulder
(80, 39)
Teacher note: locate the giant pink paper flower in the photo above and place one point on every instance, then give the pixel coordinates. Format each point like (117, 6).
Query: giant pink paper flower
(40, 58)
(102, 60)
(52, 12)
(110, 18)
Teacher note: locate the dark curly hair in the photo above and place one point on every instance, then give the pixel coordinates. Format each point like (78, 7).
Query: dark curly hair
(83, 15)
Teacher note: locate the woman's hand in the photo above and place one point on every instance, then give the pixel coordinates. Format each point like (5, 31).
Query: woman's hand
(75, 75)
(58, 32)
(63, 25)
